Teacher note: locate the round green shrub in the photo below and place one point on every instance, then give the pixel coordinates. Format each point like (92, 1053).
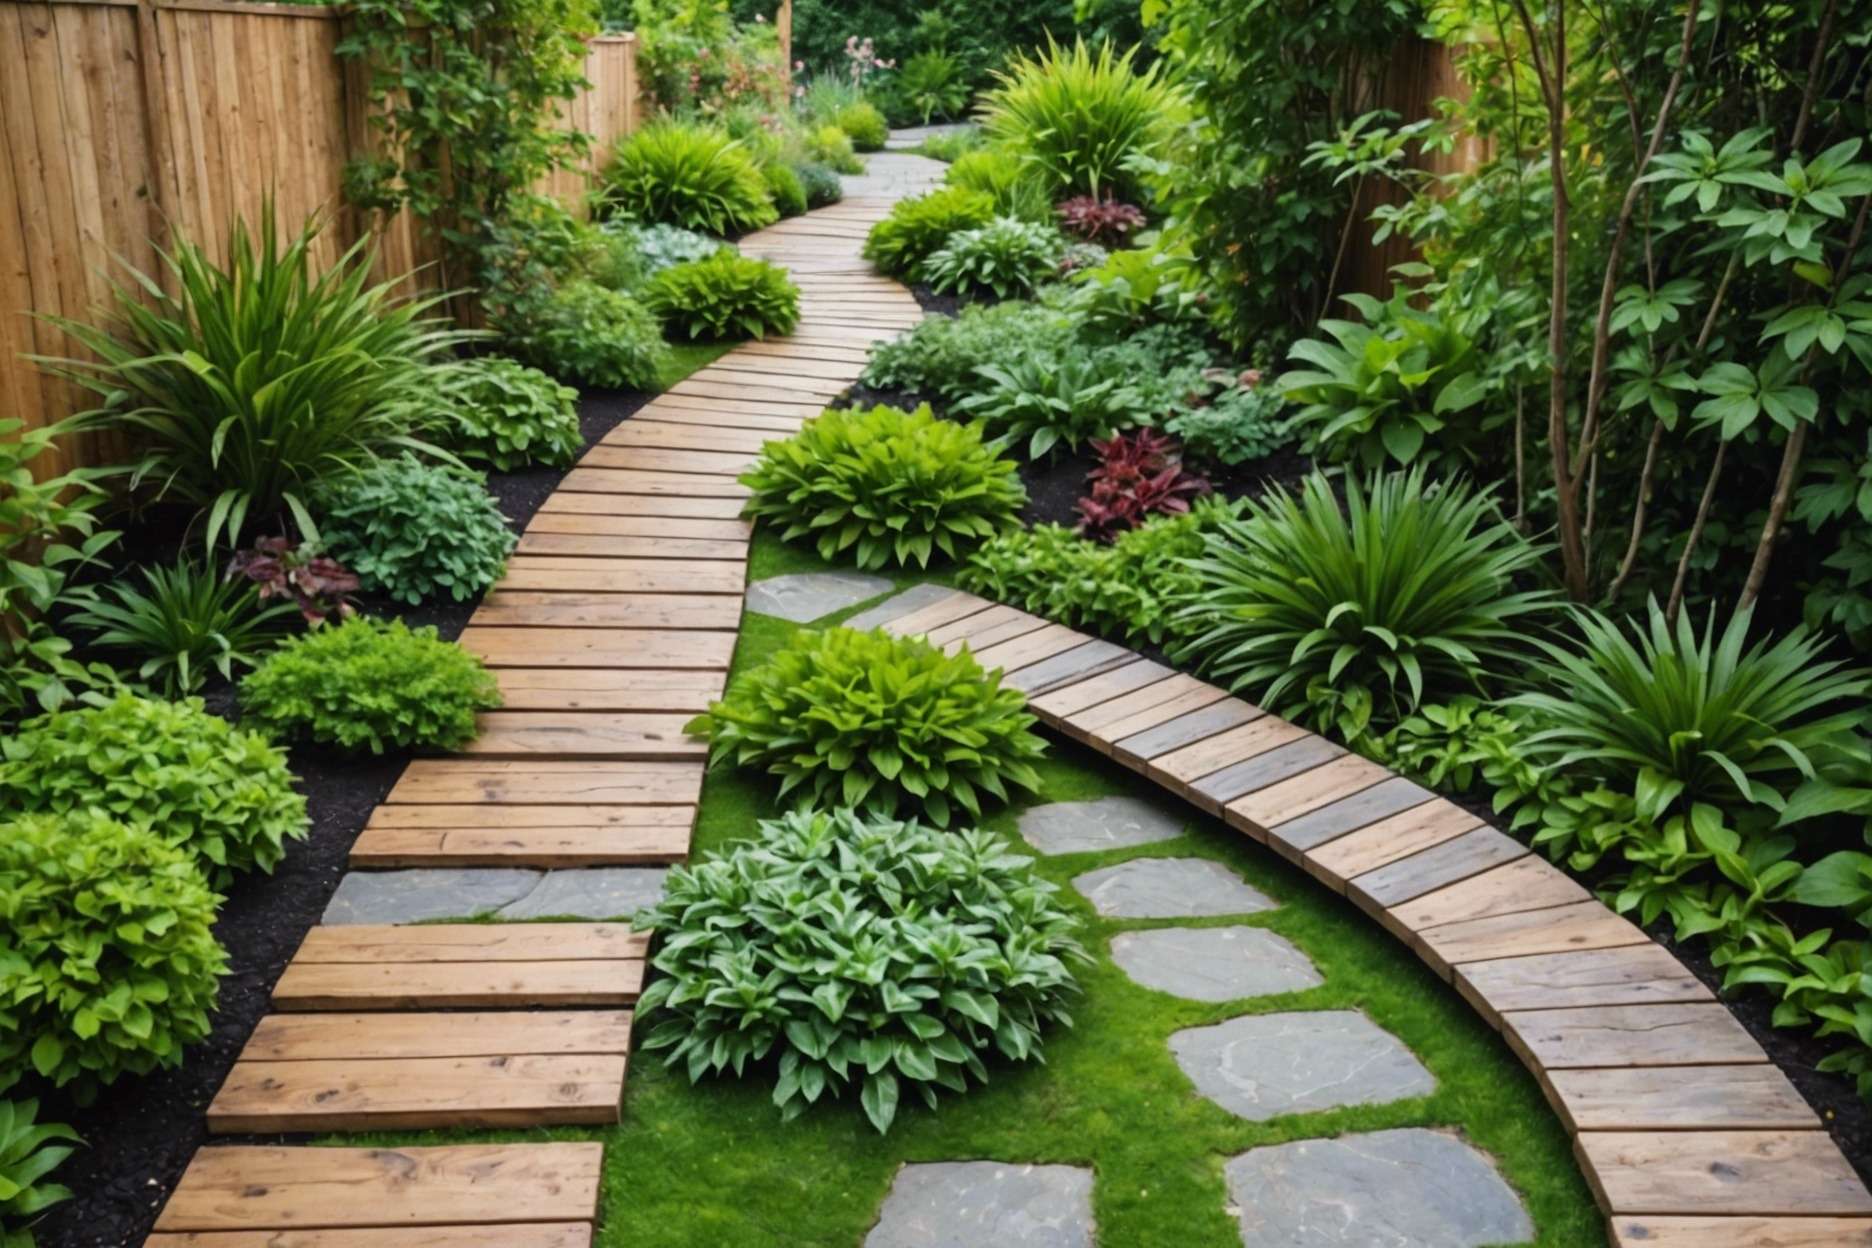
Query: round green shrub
(888, 486)
(1006, 257)
(414, 530)
(199, 783)
(882, 723)
(597, 337)
(832, 147)
(822, 185)
(865, 124)
(108, 961)
(508, 415)
(695, 176)
(725, 296)
(784, 185)
(866, 953)
(370, 682)
(900, 243)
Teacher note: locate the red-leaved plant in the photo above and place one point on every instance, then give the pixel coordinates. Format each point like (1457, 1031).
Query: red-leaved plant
(1139, 475)
(1099, 220)
(283, 568)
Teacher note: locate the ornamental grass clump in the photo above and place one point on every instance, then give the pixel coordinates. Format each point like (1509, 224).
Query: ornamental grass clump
(862, 953)
(694, 176)
(725, 296)
(885, 724)
(885, 486)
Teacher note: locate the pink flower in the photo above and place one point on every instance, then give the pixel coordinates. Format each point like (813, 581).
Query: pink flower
(799, 67)
(1250, 378)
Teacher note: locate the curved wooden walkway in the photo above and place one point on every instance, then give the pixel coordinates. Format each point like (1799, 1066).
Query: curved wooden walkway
(1688, 1135)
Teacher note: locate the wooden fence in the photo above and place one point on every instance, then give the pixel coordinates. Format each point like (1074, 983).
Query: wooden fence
(120, 119)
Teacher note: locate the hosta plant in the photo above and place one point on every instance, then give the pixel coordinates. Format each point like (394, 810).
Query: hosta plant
(1005, 258)
(1050, 399)
(887, 724)
(662, 247)
(223, 794)
(1346, 618)
(695, 176)
(184, 623)
(415, 531)
(1107, 221)
(885, 487)
(725, 296)
(108, 961)
(371, 684)
(508, 416)
(1138, 475)
(30, 1151)
(845, 952)
(941, 354)
(278, 567)
(900, 243)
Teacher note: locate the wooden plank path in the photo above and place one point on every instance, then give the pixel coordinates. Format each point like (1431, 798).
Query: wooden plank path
(615, 624)
(1687, 1134)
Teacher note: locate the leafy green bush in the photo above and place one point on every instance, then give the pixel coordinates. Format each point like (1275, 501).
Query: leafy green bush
(414, 530)
(246, 383)
(821, 184)
(1135, 288)
(1082, 119)
(1006, 257)
(889, 486)
(695, 176)
(900, 243)
(192, 778)
(940, 355)
(185, 622)
(369, 682)
(666, 246)
(108, 961)
(1053, 398)
(609, 256)
(832, 147)
(865, 124)
(1348, 618)
(785, 188)
(508, 415)
(29, 1151)
(863, 951)
(594, 336)
(845, 718)
(1019, 190)
(725, 296)
(931, 84)
(1241, 424)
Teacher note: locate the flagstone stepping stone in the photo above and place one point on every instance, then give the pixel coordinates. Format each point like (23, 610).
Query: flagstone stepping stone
(966, 1204)
(593, 893)
(1169, 888)
(805, 596)
(1409, 1188)
(1214, 963)
(1087, 827)
(1266, 1065)
(898, 605)
(421, 894)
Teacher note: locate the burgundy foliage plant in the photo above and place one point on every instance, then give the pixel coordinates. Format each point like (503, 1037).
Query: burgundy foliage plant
(1100, 220)
(283, 568)
(1139, 475)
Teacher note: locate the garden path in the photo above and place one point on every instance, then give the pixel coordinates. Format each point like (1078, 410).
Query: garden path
(615, 623)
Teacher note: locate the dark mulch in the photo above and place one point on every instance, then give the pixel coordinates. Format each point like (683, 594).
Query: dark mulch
(142, 1132)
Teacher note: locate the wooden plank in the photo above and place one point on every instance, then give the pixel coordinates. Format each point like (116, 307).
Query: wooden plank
(1259, 734)
(1297, 837)
(1167, 736)
(334, 1037)
(1634, 975)
(568, 502)
(1415, 830)
(1140, 711)
(655, 459)
(1644, 1231)
(517, 817)
(1297, 757)
(228, 1188)
(520, 608)
(623, 576)
(985, 628)
(918, 623)
(542, 848)
(642, 431)
(1029, 648)
(1054, 705)
(1069, 667)
(795, 409)
(607, 689)
(1679, 1098)
(611, 546)
(593, 480)
(600, 647)
(583, 734)
(1528, 883)
(471, 942)
(457, 985)
(1720, 1172)
(640, 526)
(1587, 925)
(798, 365)
(1454, 860)
(741, 392)
(1700, 1033)
(418, 1093)
(1290, 797)
(727, 417)
(534, 1235)
(448, 781)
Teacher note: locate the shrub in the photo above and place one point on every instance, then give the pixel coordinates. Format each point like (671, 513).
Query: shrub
(413, 530)
(900, 243)
(881, 723)
(832, 147)
(190, 777)
(725, 296)
(666, 246)
(1017, 188)
(1100, 220)
(865, 124)
(594, 336)
(1005, 257)
(864, 952)
(890, 486)
(610, 256)
(1240, 424)
(1349, 618)
(375, 683)
(508, 415)
(29, 1151)
(278, 567)
(940, 355)
(1135, 288)
(246, 383)
(108, 961)
(821, 184)
(931, 84)
(1050, 399)
(185, 622)
(1138, 475)
(694, 176)
(785, 188)
(1080, 118)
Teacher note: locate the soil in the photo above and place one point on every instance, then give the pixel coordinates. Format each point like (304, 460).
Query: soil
(142, 1132)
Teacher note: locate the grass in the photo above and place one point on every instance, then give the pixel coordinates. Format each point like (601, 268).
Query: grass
(686, 357)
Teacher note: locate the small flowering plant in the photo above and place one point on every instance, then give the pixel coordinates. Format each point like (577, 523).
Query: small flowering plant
(862, 60)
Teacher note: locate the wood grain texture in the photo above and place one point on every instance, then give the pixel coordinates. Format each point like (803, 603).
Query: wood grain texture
(1700, 1033)
(330, 1037)
(535, 1235)
(583, 734)
(551, 848)
(1632, 975)
(662, 649)
(608, 689)
(1388, 840)
(1586, 925)
(465, 781)
(371, 943)
(1679, 1098)
(1288, 798)
(520, 608)
(1454, 860)
(1720, 1172)
(627, 576)
(457, 985)
(1069, 667)
(1211, 719)
(1642, 1231)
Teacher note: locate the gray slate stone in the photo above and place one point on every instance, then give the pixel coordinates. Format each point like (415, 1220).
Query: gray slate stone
(971, 1204)
(1214, 963)
(426, 893)
(591, 893)
(1087, 827)
(913, 599)
(1389, 1189)
(1266, 1065)
(805, 596)
(1169, 888)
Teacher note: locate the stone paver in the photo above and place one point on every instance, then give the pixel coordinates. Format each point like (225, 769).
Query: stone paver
(894, 175)
(971, 1204)
(1107, 823)
(805, 596)
(912, 136)
(592, 893)
(1169, 888)
(913, 599)
(1214, 963)
(1389, 1189)
(1266, 1065)
(421, 894)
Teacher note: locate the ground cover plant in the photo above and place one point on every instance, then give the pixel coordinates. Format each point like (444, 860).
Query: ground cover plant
(725, 296)
(597, 337)
(1005, 258)
(507, 415)
(416, 531)
(940, 356)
